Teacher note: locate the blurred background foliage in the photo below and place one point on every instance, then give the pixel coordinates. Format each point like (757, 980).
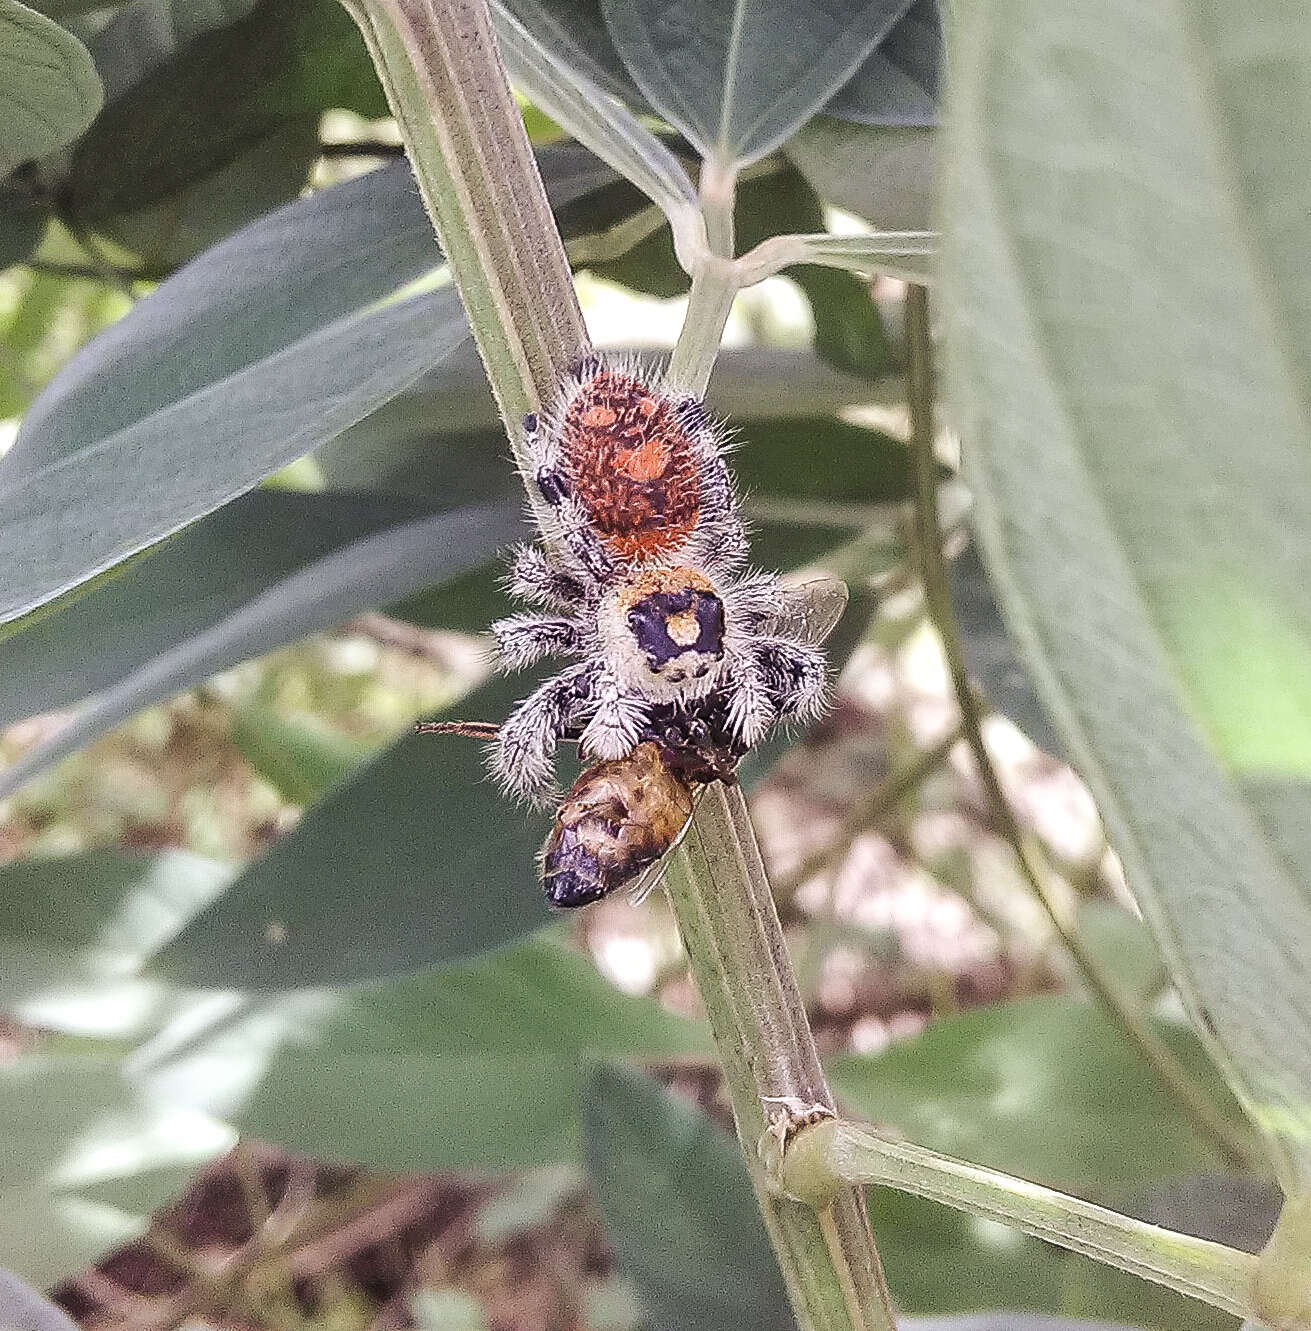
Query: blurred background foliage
(289, 1040)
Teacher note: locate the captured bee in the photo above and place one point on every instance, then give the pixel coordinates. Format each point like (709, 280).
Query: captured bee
(618, 819)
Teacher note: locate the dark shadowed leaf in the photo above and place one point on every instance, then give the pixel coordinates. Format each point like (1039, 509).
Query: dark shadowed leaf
(21, 227)
(49, 88)
(391, 562)
(215, 98)
(575, 32)
(1045, 1088)
(86, 1160)
(899, 83)
(717, 70)
(679, 1208)
(415, 859)
(1129, 360)
(475, 1065)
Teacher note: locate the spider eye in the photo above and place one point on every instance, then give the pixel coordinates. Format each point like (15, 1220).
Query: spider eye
(668, 625)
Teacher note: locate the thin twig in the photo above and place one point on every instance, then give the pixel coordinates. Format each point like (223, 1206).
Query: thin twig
(1233, 1144)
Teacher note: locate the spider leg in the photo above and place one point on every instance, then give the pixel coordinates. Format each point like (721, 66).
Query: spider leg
(751, 709)
(556, 486)
(523, 639)
(535, 579)
(616, 725)
(522, 758)
(752, 600)
(796, 676)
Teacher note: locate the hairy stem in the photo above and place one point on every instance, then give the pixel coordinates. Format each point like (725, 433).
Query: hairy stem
(720, 895)
(834, 1154)
(443, 76)
(1235, 1146)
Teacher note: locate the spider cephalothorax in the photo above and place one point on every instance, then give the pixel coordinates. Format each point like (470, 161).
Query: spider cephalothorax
(645, 557)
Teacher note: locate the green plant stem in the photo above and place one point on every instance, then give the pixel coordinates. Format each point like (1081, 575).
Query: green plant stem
(1234, 1145)
(714, 285)
(834, 1154)
(721, 899)
(443, 77)
(444, 80)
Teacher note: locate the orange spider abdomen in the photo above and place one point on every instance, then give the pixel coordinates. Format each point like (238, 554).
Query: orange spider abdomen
(633, 466)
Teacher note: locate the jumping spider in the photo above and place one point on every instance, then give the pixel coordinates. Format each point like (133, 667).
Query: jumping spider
(644, 558)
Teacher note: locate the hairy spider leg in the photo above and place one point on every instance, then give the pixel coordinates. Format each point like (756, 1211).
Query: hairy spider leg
(522, 759)
(523, 640)
(751, 708)
(616, 725)
(796, 676)
(533, 578)
(557, 488)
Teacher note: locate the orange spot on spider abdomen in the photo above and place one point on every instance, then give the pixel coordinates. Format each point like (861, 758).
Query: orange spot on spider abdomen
(633, 466)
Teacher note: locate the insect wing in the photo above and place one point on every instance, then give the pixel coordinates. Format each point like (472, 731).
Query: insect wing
(809, 611)
(651, 877)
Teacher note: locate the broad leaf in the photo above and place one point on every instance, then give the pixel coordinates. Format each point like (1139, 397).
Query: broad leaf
(300, 757)
(476, 1065)
(717, 70)
(574, 32)
(679, 1208)
(392, 562)
(212, 383)
(86, 1160)
(899, 83)
(49, 89)
(1119, 319)
(214, 577)
(1045, 1088)
(220, 94)
(416, 859)
(74, 930)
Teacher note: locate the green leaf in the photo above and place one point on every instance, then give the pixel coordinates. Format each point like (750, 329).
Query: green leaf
(886, 174)
(1044, 1088)
(220, 94)
(87, 1159)
(574, 32)
(233, 574)
(1181, 684)
(49, 89)
(679, 1208)
(476, 1065)
(23, 1309)
(265, 347)
(717, 71)
(415, 859)
(78, 920)
(899, 83)
(391, 562)
(299, 757)
(21, 229)
(75, 929)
